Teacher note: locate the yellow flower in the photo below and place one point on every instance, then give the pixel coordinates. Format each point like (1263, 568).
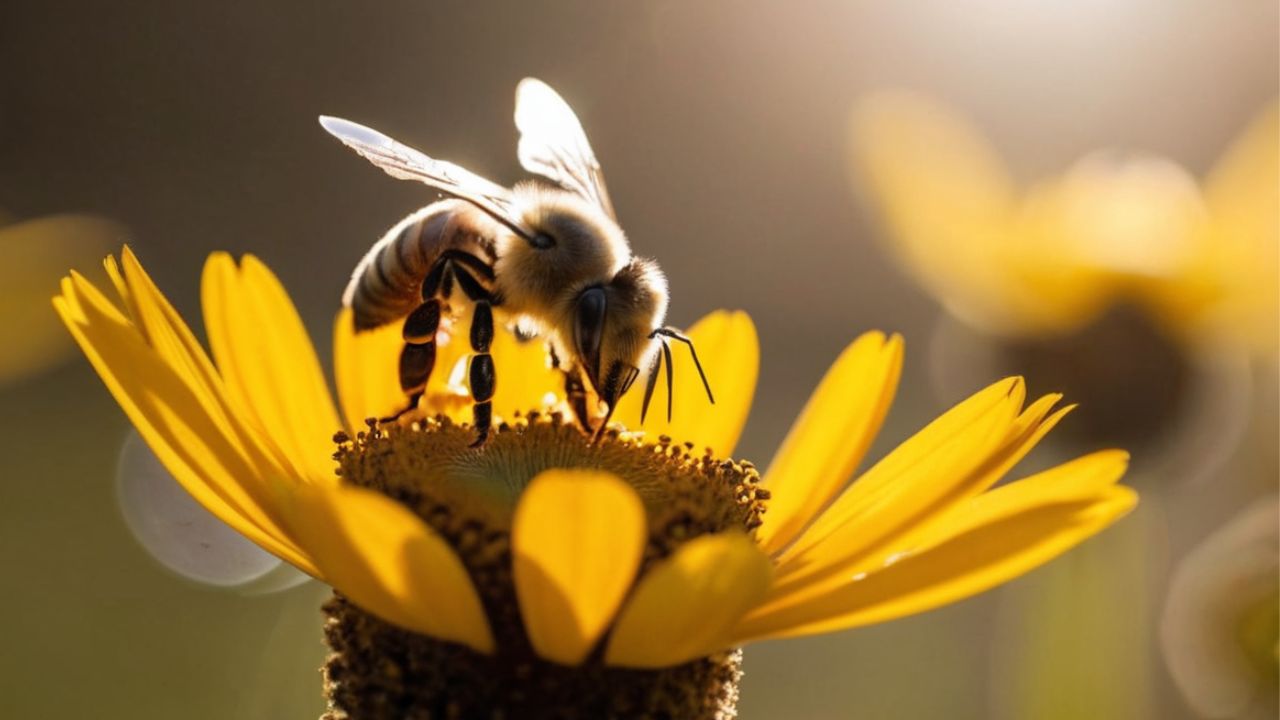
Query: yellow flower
(610, 564)
(1200, 257)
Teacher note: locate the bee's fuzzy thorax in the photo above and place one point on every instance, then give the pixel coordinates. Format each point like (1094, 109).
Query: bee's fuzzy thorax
(589, 249)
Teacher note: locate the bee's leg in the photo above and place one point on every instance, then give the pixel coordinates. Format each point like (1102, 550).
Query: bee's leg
(473, 265)
(412, 405)
(481, 375)
(418, 357)
(576, 393)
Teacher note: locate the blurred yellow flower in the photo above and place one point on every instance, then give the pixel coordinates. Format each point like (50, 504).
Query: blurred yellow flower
(633, 553)
(38, 252)
(1200, 257)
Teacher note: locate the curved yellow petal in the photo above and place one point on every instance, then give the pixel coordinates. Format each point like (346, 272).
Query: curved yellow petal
(1238, 270)
(922, 504)
(954, 443)
(831, 436)
(685, 606)
(577, 538)
(267, 360)
(525, 379)
(160, 326)
(730, 354)
(1005, 544)
(37, 253)
(945, 198)
(1242, 187)
(163, 329)
(366, 369)
(1078, 479)
(382, 556)
(188, 434)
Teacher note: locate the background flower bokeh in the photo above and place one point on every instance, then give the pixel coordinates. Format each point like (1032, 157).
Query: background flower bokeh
(724, 131)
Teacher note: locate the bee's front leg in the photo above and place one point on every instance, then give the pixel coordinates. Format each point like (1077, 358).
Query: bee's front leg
(575, 392)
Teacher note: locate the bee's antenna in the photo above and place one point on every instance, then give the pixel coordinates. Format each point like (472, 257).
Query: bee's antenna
(666, 353)
(676, 335)
(649, 385)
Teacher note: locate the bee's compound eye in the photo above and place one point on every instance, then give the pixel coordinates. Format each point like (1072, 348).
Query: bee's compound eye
(542, 241)
(588, 330)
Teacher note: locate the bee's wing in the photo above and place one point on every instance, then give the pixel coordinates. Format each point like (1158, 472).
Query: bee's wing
(401, 161)
(553, 144)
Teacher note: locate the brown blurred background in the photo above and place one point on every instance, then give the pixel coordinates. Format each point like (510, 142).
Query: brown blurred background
(722, 128)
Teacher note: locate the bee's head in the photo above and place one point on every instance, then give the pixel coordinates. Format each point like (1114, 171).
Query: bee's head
(613, 326)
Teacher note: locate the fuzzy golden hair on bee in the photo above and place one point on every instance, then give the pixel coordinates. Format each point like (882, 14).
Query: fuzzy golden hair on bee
(549, 258)
(577, 246)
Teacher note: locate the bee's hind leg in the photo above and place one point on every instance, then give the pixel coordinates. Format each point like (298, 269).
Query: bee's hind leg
(418, 357)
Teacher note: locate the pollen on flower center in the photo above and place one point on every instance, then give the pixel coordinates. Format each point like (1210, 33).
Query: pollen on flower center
(464, 493)
(469, 497)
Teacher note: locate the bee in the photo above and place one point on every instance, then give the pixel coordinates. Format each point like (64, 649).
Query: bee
(548, 259)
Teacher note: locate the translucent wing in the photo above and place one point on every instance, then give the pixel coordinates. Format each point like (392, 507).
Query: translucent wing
(401, 161)
(553, 144)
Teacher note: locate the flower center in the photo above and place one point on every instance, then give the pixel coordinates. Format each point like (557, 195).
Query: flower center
(458, 490)
(468, 495)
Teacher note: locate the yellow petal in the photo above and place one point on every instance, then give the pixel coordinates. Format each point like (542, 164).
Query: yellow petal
(685, 606)
(730, 355)
(831, 436)
(1239, 267)
(382, 556)
(525, 378)
(927, 489)
(116, 275)
(37, 253)
(1243, 190)
(1021, 537)
(366, 366)
(168, 335)
(268, 362)
(848, 552)
(948, 447)
(1079, 479)
(576, 540)
(160, 326)
(946, 200)
(1030, 427)
(922, 503)
(196, 447)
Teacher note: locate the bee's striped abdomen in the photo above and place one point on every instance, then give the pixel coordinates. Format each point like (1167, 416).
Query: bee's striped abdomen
(387, 284)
